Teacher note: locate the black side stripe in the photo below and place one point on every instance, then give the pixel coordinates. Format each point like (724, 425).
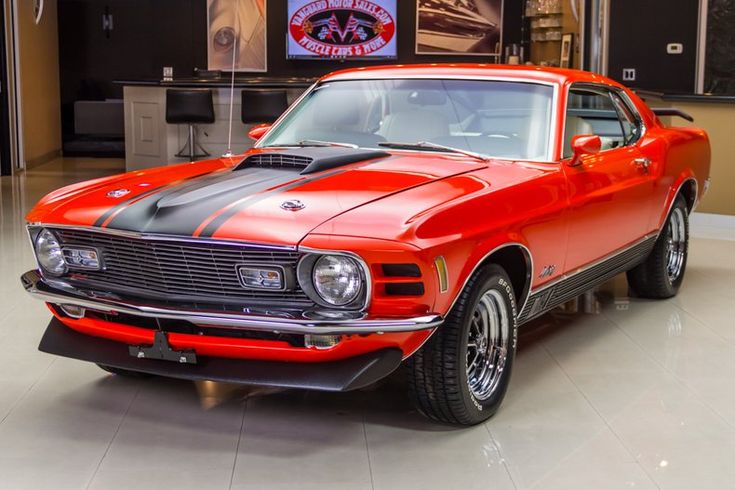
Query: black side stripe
(216, 223)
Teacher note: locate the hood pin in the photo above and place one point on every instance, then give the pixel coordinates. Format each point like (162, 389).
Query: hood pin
(118, 193)
(294, 205)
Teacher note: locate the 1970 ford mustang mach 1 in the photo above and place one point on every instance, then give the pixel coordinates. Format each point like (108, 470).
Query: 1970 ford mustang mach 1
(413, 214)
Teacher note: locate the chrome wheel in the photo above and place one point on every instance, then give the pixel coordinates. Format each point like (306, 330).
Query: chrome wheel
(676, 244)
(487, 344)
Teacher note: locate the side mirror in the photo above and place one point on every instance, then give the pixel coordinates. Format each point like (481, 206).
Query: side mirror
(584, 144)
(257, 132)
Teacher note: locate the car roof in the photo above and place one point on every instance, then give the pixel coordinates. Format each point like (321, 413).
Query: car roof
(537, 74)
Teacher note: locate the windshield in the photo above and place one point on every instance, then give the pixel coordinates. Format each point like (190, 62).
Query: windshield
(494, 118)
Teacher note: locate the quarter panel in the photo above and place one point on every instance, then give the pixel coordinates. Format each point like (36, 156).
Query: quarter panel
(685, 153)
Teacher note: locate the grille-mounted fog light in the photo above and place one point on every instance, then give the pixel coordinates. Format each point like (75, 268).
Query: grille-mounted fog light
(255, 277)
(81, 258)
(321, 342)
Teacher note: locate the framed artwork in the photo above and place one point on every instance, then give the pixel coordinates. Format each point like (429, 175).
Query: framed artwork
(342, 29)
(466, 27)
(237, 29)
(565, 57)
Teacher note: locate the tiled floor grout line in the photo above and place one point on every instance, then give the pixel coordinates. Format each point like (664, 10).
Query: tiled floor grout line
(367, 448)
(112, 439)
(28, 390)
(500, 453)
(239, 438)
(675, 376)
(602, 417)
(704, 324)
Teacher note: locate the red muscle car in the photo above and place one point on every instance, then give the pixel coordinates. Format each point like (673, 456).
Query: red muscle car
(412, 215)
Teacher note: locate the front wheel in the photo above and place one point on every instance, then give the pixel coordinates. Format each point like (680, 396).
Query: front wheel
(661, 274)
(461, 374)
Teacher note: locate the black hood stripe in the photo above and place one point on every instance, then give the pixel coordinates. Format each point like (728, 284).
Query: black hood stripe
(217, 222)
(123, 204)
(181, 209)
(118, 208)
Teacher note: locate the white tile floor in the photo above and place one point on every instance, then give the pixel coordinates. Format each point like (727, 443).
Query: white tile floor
(637, 394)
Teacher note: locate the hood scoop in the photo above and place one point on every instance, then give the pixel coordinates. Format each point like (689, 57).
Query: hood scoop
(310, 159)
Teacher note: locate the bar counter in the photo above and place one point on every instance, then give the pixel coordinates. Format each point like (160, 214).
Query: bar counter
(224, 81)
(681, 97)
(151, 142)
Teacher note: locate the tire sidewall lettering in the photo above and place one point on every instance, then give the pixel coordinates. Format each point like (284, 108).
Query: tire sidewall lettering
(504, 286)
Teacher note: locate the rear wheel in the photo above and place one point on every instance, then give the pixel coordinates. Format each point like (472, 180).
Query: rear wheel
(124, 372)
(461, 374)
(662, 273)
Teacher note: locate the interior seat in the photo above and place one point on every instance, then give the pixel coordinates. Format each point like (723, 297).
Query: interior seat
(414, 125)
(417, 117)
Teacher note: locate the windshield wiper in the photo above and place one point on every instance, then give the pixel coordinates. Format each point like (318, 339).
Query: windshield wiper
(312, 143)
(326, 143)
(426, 145)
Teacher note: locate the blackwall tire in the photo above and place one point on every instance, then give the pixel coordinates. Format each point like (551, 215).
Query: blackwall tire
(124, 372)
(661, 274)
(447, 383)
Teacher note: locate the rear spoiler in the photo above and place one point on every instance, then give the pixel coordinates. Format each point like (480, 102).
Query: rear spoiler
(668, 111)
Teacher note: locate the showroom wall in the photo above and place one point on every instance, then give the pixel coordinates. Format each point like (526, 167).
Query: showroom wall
(150, 34)
(717, 120)
(39, 75)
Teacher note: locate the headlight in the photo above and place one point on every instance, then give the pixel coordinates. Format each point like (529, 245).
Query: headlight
(337, 279)
(49, 254)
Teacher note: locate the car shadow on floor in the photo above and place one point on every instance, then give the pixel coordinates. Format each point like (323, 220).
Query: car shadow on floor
(170, 401)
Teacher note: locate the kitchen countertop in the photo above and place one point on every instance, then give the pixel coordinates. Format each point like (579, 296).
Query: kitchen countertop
(256, 82)
(682, 97)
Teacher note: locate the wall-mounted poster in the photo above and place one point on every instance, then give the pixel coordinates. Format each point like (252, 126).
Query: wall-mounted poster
(467, 27)
(238, 25)
(356, 29)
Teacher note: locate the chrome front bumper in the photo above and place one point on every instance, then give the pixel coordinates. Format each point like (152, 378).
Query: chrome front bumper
(60, 293)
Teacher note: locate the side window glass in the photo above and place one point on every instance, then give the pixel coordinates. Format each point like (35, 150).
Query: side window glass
(629, 122)
(591, 111)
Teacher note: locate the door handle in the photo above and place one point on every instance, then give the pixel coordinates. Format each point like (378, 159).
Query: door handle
(642, 163)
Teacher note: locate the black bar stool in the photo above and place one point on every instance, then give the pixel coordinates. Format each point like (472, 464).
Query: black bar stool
(190, 107)
(263, 105)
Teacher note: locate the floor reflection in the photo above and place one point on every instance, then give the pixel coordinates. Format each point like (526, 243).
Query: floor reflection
(608, 391)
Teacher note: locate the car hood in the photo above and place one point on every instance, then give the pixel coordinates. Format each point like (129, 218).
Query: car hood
(228, 199)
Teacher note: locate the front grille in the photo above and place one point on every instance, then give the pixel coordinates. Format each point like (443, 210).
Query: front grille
(282, 160)
(180, 271)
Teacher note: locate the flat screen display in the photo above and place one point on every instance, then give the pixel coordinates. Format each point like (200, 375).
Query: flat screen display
(342, 29)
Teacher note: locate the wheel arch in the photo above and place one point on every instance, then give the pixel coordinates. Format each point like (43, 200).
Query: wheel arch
(689, 190)
(516, 259)
(686, 186)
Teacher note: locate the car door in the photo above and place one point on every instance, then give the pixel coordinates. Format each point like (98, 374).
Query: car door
(609, 192)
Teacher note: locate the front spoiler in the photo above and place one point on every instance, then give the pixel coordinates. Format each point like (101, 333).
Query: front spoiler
(345, 375)
(60, 293)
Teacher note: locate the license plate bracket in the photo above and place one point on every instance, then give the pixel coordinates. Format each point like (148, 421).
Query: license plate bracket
(162, 350)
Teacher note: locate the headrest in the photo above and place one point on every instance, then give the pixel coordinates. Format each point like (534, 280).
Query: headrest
(339, 111)
(427, 97)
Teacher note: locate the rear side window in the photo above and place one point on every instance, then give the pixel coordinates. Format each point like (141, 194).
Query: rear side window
(601, 112)
(629, 121)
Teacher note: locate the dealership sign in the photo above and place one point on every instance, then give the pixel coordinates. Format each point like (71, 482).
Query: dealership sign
(342, 29)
